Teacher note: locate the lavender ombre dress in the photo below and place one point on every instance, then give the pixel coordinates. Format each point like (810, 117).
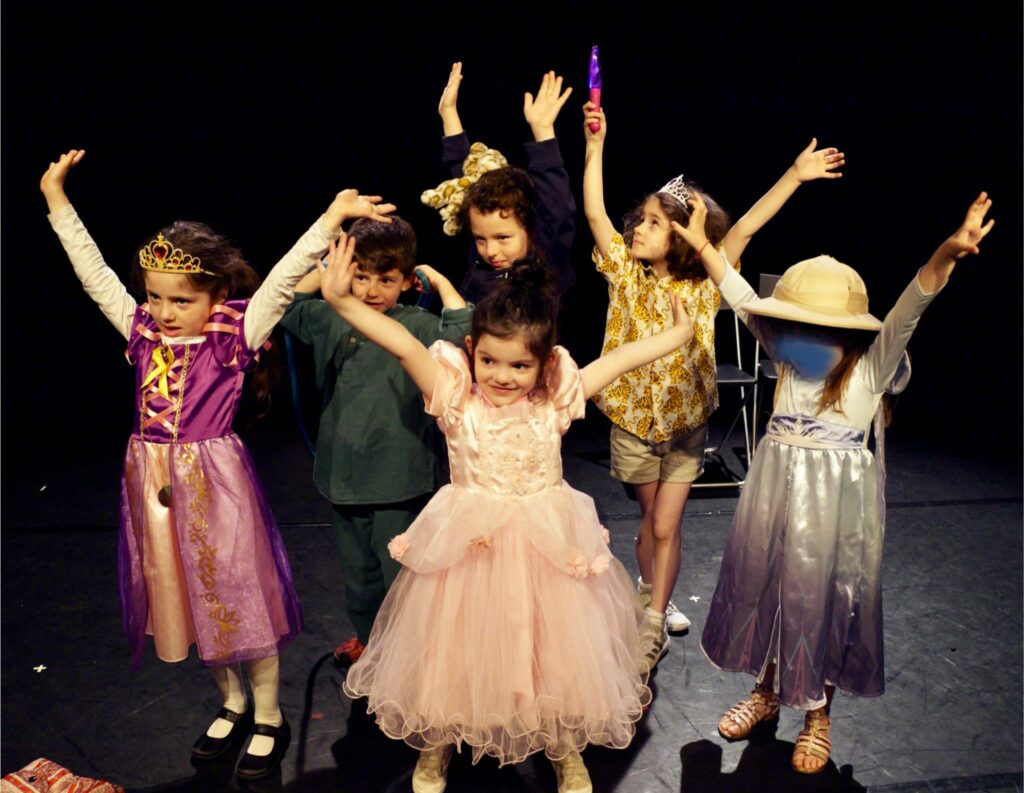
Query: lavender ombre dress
(205, 562)
(800, 583)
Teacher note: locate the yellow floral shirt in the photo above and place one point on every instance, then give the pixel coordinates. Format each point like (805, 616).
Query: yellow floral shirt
(676, 393)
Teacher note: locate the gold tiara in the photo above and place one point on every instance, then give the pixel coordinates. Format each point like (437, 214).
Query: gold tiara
(161, 257)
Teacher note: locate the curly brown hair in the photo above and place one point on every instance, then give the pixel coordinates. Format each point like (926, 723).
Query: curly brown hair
(683, 261)
(506, 190)
(229, 277)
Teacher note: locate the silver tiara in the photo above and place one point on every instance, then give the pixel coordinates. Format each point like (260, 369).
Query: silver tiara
(677, 189)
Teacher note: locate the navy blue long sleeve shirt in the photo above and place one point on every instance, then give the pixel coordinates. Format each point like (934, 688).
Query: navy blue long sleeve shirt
(556, 215)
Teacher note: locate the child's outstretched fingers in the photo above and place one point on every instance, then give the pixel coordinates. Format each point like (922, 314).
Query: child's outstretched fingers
(540, 112)
(337, 269)
(813, 164)
(973, 230)
(681, 314)
(693, 233)
(53, 179)
(373, 208)
(450, 94)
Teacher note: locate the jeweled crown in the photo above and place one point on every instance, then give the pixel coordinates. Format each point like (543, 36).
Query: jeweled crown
(677, 189)
(162, 257)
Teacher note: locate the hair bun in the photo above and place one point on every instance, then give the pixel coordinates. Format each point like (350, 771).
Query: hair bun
(531, 275)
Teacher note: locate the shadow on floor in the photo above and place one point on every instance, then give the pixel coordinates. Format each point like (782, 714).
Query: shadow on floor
(764, 767)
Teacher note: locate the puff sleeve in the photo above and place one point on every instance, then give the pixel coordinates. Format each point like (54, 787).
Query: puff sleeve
(565, 389)
(451, 386)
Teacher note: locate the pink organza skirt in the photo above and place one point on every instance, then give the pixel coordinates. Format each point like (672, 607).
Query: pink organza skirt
(508, 650)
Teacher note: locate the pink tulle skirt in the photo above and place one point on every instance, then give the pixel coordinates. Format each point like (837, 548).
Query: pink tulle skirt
(505, 650)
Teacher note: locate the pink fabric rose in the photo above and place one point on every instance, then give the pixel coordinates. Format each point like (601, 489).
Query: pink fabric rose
(606, 536)
(481, 543)
(600, 564)
(577, 565)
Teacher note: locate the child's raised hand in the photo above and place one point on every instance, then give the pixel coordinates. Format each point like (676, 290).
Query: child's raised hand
(821, 164)
(448, 108)
(337, 269)
(52, 182)
(966, 238)
(350, 204)
(432, 276)
(693, 233)
(540, 113)
(680, 315)
(592, 114)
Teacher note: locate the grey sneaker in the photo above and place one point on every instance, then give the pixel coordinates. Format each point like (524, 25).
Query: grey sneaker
(572, 775)
(431, 772)
(643, 592)
(654, 641)
(675, 620)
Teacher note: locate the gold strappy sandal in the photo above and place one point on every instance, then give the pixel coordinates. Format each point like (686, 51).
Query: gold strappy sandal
(813, 741)
(763, 705)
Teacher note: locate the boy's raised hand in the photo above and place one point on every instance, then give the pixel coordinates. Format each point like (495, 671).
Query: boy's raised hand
(350, 204)
(592, 114)
(966, 238)
(432, 276)
(52, 182)
(447, 108)
(540, 113)
(337, 269)
(821, 164)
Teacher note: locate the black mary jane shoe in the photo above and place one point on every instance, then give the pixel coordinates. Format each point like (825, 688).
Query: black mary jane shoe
(207, 748)
(252, 766)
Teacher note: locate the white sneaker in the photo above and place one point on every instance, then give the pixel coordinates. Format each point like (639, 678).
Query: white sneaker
(675, 620)
(431, 774)
(572, 775)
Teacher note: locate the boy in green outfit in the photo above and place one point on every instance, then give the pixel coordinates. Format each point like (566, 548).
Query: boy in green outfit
(377, 451)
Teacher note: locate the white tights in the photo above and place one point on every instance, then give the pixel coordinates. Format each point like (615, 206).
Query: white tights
(264, 679)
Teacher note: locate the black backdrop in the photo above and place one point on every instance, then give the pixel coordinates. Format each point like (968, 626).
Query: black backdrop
(250, 117)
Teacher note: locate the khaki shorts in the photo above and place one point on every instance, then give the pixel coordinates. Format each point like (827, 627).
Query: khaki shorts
(636, 461)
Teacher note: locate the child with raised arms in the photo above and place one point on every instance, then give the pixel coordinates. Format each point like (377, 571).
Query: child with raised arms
(798, 603)
(511, 214)
(659, 413)
(200, 558)
(378, 455)
(511, 628)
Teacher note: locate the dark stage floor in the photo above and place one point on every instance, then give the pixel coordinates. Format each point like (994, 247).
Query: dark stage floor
(950, 720)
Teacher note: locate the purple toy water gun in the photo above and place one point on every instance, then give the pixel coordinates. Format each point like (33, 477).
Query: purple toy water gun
(594, 83)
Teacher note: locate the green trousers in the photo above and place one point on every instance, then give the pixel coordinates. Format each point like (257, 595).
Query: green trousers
(362, 533)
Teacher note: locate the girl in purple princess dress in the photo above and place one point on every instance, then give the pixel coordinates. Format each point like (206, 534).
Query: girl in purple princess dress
(510, 628)
(200, 558)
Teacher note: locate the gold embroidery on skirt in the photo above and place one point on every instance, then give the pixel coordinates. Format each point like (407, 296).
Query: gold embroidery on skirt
(225, 619)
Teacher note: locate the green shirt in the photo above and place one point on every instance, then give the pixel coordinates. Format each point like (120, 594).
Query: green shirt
(375, 444)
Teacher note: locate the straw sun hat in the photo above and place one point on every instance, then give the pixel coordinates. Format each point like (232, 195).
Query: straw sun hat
(819, 291)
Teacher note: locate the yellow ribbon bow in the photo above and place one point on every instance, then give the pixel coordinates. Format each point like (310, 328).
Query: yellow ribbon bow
(163, 358)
